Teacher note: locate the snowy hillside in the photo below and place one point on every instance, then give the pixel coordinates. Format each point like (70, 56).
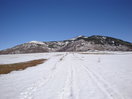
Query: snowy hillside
(89, 75)
(80, 43)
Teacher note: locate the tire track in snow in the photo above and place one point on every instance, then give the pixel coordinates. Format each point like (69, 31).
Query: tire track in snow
(67, 91)
(28, 92)
(70, 89)
(101, 83)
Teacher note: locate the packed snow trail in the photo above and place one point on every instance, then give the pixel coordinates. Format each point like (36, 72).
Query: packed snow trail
(64, 76)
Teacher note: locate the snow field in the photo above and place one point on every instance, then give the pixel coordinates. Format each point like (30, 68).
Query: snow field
(69, 76)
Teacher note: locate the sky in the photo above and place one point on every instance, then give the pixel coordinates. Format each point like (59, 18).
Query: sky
(52, 20)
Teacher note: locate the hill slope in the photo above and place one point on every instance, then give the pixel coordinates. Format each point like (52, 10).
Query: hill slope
(80, 43)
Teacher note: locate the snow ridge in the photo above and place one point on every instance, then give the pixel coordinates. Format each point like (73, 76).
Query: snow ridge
(36, 42)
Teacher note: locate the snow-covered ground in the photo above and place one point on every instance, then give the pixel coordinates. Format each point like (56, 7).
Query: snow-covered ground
(94, 75)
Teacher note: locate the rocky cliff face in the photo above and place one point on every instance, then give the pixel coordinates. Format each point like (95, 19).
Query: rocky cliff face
(80, 43)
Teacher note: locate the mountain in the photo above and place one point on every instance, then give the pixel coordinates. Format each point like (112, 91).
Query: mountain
(80, 43)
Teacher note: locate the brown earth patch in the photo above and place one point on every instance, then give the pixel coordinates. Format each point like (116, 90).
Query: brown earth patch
(7, 68)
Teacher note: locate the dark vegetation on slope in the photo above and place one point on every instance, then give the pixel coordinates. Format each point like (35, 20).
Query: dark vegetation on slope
(105, 40)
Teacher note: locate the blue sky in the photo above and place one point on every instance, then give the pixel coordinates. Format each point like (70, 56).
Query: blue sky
(49, 20)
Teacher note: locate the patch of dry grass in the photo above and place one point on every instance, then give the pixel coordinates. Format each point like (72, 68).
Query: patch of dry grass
(7, 68)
